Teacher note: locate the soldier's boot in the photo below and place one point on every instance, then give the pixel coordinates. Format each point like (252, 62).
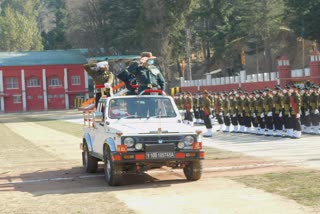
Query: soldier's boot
(208, 133)
(227, 129)
(308, 130)
(316, 130)
(261, 131)
(279, 133)
(235, 129)
(270, 132)
(221, 127)
(289, 133)
(241, 129)
(303, 128)
(296, 135)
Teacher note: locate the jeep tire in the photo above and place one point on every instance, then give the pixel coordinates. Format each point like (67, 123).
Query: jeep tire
(112, 170)
(90, 163)
(193, 170)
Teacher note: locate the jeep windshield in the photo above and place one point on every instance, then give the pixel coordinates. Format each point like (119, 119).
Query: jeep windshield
(140, 107)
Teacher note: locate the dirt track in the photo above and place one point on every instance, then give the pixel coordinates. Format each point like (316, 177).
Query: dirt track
(40, 172)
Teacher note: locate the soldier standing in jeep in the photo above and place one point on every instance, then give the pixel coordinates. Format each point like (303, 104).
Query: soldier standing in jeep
(148, 75)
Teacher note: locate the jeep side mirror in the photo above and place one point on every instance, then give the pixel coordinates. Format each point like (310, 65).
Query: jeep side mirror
(98, 117)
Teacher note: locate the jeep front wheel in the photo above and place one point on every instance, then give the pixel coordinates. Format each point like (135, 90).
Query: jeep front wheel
(90, 163)
(193, 170)
(112, 170)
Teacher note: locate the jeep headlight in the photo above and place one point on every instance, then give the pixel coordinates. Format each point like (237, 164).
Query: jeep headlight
(180, 145)
(138, 146)
(129, 141)
(188, 140)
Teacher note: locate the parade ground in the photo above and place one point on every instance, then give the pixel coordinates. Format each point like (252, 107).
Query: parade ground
(41, 172)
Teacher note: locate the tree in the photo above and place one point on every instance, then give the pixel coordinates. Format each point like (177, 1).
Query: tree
(18, 32)
(303, 17)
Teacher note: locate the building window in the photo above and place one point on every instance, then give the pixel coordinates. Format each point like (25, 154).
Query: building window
(55, 82)
(16, 98)
(75, 80)
(61, 96)
(29, 97)
(33, 82)
(12, 83)
(40, 97)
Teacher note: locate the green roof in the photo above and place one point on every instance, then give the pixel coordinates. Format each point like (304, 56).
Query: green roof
(50, 57)
(54, 57)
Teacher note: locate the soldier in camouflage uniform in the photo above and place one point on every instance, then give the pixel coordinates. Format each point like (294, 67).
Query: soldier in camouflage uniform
(102, 78)
(314, 109)
(206, 108)
(268, 110)
(277, 114)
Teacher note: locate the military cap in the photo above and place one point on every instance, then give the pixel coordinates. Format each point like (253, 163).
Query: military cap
(205, 92)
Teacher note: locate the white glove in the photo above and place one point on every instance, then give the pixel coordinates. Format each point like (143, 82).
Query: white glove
(307, 112)
(280, 114)
(262, 115)
(289, 115)
(107, 85)
(210, 116)
(254, 115)
(228, 114)
(269, 114)
(241, 114)
(297, 115)
(234, 115)
(102, 64)
(316, 111)
(220, 114)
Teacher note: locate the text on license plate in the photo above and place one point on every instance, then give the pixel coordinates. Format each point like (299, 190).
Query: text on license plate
(159, 155)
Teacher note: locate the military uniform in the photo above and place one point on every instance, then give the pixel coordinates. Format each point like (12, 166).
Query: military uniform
(314, 109)
(196, 105)
(233, 113)
(246, 113)
(268, 108)
(99, 77)
(287, 110)
(240, 114)
(305, 111)
(219, 110)
(277, 116)
(260, 114)
(226, 112)
(253, 110)
(206, 108)
(295, 100)
(188, 106)
(147, 78)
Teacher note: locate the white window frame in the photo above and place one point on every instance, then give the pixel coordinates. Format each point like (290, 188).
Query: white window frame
(33, 82)
(12, 83)
(55, 81)
(75, 80)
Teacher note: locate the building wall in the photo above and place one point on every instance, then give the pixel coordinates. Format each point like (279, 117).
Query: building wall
(44, 96)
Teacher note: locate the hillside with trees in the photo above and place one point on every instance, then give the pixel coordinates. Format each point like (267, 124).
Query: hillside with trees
(205, 34)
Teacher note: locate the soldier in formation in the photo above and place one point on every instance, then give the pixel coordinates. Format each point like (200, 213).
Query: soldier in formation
(277, 112)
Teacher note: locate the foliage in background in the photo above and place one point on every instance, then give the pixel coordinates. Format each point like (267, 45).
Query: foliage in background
(19, 30)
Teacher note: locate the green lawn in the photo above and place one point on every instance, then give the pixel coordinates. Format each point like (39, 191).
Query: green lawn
(302, 186)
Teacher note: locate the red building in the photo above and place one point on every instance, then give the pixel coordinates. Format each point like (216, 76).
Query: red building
(44, 80)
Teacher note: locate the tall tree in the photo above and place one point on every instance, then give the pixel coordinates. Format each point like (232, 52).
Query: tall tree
(18, 28)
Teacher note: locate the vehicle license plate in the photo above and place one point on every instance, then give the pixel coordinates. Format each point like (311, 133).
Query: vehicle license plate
(160, 155)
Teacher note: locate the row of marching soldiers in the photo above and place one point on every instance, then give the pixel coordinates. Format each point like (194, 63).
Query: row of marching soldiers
(277, 112)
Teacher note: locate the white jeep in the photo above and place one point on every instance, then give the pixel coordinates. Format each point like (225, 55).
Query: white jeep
(138, 133)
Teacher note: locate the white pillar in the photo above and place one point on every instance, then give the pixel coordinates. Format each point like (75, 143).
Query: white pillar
(23, 87)
(45, 97)
(66, 96)
(1, 92)
(86, 84)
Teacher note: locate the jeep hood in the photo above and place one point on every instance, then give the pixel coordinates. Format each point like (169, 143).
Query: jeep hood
(151, 127)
